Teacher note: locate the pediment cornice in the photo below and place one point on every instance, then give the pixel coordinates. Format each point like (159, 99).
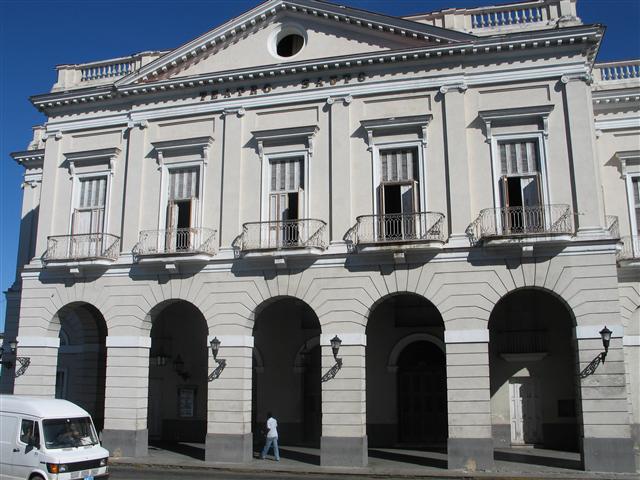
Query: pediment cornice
(271, 9)
(586, 37)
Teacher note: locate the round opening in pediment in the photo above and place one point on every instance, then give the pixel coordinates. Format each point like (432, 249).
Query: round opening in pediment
(287, 41)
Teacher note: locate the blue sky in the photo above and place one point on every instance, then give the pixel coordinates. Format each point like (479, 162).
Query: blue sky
(37, 35)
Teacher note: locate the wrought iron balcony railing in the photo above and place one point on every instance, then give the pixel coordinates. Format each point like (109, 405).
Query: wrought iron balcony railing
(399, 227)
(630, 248)
(281, 235)
(85, 246)
(522, 222)
(176, 241)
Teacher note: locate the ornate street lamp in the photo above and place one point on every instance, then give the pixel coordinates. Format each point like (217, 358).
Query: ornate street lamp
(215, 347)
(335, 347)
(605, 333)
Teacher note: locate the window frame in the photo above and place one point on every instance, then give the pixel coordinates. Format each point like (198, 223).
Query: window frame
(633, 224)
(420, 147)
(75, 196)
(266, 182)
(164, 190)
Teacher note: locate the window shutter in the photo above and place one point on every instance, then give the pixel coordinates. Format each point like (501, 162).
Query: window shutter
(183, 183)
(286, 175)
(92, 192)
(519, 158)
(398, 165)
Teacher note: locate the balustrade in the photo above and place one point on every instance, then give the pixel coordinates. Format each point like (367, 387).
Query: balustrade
(612, 71)
(86, 246)
(399, 227)
(508, 15)
(522, 222)
(279, 235)
(176, 241)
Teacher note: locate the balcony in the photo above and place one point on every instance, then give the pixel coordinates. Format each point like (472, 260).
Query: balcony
(82, 249)
(303, 235)
(416, 230)
(179, 244)
(629, 252)
(522, 224)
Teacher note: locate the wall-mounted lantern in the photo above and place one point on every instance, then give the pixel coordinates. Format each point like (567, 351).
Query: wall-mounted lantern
(590, 369)
(605, 333)
(23, 361)
(336, 342)
(215, 347)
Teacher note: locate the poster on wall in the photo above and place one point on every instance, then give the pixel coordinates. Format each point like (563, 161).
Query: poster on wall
(186, 402)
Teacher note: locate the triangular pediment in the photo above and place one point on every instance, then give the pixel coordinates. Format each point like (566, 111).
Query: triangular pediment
(323, 30)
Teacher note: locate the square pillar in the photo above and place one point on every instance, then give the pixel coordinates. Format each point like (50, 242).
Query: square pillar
(606, 434)
(125, 431)
(470, 443)
(344, 404)
(229, 438)
(38, 379)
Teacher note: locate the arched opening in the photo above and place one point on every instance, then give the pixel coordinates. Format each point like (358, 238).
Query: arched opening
(82, 359)
(532, 367)
(286, 372)
(177, 405)
(406, 374)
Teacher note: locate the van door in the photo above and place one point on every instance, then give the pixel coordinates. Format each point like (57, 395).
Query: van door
(26, 452)
(7, 444)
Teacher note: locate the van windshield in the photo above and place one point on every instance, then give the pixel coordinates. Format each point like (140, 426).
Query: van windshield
(68, 432)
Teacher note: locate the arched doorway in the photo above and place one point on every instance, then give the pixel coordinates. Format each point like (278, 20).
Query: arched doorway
(286, 372)
(406, 374)
(533, 372)
(177, 401)
(82, 359)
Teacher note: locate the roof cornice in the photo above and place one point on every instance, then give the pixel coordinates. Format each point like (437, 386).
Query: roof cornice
(29, 159)
(589, 35)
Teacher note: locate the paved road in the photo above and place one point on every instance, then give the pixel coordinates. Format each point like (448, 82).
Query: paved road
(129, 473)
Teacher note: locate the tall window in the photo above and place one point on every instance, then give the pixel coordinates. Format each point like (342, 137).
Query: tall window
(286, 199)
(398, 194)
(182, 207)
(88, 216)
(520, 173)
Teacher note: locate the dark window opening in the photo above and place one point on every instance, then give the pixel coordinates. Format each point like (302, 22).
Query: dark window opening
(289, 45)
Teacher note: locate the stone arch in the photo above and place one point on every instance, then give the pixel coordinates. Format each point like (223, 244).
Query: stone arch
(392, 363)
(552, 293)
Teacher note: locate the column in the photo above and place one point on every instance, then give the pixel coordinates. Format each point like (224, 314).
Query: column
(470, 443)
(457, 161)
(344, 404)
(606, 433)
(340, 177)
(133, 208)
(583, 155)
(38, 378)
(229, 436)
(125, 431)
(230, 226)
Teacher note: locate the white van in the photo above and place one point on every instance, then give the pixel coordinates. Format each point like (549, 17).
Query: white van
(47, 439)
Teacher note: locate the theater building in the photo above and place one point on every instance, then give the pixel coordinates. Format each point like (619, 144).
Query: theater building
(452, 198)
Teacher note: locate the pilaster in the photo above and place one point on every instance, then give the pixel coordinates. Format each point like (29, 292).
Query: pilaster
(133, 208)
(48, 192)
(470, 443)
(457, 161)
(39, 378)
(583, 155)
(229, 438)
(232, 150)
(340, 170)
(344, 407)
(125, 431)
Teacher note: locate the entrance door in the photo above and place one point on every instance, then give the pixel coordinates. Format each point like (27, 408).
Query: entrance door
(521, 194)
(422, 394)
(524, 407)
(398, 202)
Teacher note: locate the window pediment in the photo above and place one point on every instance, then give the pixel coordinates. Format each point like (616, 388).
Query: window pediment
(188, 146)
(283, 136)
(88, 158)
(396, 124)
(514, 116)
(629, 161)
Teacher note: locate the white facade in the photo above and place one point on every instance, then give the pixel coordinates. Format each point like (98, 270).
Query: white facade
(436, 191)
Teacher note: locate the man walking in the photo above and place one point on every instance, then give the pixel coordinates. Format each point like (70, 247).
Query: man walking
(272, 438)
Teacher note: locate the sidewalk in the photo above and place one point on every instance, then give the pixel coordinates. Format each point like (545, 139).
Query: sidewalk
(383, 463)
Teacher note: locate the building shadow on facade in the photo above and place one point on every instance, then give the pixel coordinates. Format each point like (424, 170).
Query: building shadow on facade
(422, 458)
(189, 450)
(538, 458)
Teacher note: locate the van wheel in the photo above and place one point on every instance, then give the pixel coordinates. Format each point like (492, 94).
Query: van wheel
(36, 477)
